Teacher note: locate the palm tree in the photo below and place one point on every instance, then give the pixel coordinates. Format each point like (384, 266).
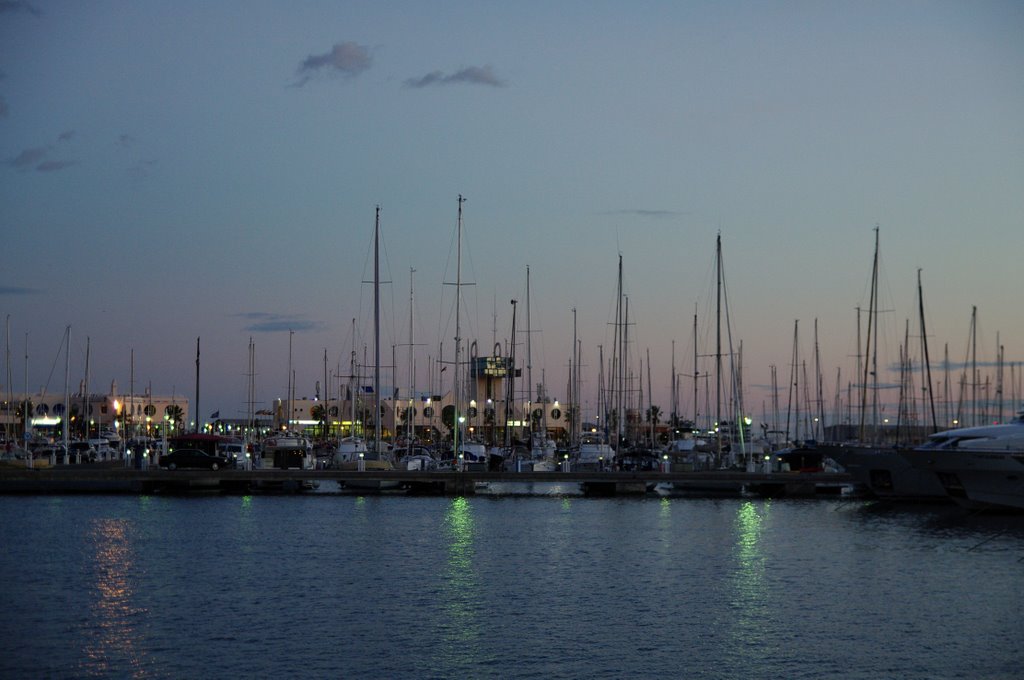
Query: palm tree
(319, 414)
(653, 418)
(175, 415)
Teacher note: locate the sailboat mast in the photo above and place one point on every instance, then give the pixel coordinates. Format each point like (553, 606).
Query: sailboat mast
(85, 390)
(409, 416)
(67, 393)
(696, 371)
(650, 401)
(376, 332)
(718, 347)
(198, 419)
(458, 331)
(870, 365)
(675, 395)
(574, 381)
(927, 364)
(529, 358)
(9, 397)
(974, 365)
(819, 387)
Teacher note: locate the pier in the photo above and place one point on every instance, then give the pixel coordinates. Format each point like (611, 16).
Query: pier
(100, 479)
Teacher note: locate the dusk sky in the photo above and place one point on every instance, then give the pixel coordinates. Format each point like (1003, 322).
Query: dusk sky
(193, 169)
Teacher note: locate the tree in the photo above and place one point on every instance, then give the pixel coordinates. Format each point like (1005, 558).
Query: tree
(175, 414)
(319, 414)
(654, 415)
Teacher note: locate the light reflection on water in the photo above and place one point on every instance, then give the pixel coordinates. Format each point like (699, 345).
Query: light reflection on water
(751, 602)
(114, 613)
(461, 596)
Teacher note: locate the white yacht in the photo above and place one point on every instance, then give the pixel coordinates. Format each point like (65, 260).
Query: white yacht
(978, 466)
(594, 454)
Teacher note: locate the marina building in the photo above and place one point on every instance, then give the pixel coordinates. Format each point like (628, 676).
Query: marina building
(93, 414)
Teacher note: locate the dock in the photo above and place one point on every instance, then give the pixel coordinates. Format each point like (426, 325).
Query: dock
(74, 479)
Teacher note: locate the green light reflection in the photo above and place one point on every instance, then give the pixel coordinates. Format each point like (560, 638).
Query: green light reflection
(462, 634)
(751, 600)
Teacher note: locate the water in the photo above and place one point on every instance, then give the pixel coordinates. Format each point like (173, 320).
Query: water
(394, 587)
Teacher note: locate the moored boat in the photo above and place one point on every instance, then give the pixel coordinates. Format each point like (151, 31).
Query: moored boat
(978, 467)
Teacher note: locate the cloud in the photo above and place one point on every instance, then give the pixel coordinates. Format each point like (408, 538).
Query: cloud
(18, 290)
(268, 322)
(126, 140)
(3, 108)
(141, 169)
(66, 136)
(472, 75)
(641, 212)
(12, 6)
(347, 58)
(53, 166)
(36, 157)
(28, 158)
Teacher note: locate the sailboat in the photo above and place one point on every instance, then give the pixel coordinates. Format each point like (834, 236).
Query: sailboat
(351, 448)
(883, 470)
(375, 457)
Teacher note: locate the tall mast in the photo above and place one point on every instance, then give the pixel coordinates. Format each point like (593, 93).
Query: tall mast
(974, 365)
(288, 414)
(926, 360)
(617, 363)
(696, 370)
(85, 390)
(675, 396)
(131, 397)
(198, 419)
(818, 384)
(871, 351)
(574, 378)
(794, 384)
(718, 348)
(67, 390)
(457, 392)
(376, 332)
(529, 358)
(409, 416)
(250, 406)
(650, 401)
(9, 397)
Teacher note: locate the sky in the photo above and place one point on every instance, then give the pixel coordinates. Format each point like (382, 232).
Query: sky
(174, 171)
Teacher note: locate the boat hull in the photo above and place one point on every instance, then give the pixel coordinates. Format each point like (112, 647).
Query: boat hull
(888, 474)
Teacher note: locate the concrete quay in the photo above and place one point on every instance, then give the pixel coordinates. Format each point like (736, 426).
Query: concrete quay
(96, 479)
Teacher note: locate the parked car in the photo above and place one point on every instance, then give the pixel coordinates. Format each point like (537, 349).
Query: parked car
(194, 458)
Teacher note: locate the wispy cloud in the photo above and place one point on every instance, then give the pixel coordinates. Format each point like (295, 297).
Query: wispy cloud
(471, 75)
(268, 322)
(347, 58)
(35, 158)
(54, 166)
(28, 158)
(18, 290)
(12, 6)
(141, 169)
(642, 212)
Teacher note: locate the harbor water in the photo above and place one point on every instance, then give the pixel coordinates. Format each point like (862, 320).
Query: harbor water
(337, 585)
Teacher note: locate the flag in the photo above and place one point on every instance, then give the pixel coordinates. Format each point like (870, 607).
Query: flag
(215, 415)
